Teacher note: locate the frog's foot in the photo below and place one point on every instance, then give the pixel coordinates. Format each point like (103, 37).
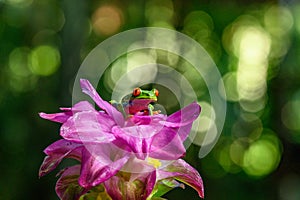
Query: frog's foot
(113, 102)
(152, 112)
(156, 112)
(130, 116)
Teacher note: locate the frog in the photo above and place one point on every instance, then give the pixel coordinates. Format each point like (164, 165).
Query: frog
(138, 102)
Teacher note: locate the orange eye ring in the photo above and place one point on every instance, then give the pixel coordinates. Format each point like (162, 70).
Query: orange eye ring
(156, 92)
(136, 92)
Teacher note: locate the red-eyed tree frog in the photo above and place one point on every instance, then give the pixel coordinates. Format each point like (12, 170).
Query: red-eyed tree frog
(138, 101)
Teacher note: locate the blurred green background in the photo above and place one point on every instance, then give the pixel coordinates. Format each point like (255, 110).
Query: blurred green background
(255, 44)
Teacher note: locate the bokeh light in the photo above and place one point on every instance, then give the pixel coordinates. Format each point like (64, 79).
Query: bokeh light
(206, 131)
(159, 13)
(296, 13)
(118, 68)
(21, 77)
(137, 60)
(18, 61)
(46, 15)
(44, 60)
(224, 158)
(198, 23)
(250, 128)
(262, 157)
(237, 150)
(16, 15)
(19, 3)
(200, 26)
(290, 116)
(252, 46)
(278, 20)
(46, 36)
(107, 20)
(230, 83)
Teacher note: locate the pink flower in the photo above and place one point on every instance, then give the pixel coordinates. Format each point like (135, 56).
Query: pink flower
(110, 147)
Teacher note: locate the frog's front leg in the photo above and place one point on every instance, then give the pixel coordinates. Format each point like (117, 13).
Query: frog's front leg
(118, 106)
(150, 109)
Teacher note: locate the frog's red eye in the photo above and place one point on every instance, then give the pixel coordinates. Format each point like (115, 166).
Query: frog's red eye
(156, 92)
(136, 92)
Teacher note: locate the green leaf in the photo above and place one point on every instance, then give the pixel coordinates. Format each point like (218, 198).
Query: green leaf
(97, 193)
(162, 187)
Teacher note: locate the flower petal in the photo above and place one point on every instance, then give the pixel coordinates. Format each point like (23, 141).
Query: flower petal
(58, 151)
(182, 171)
(112, 187)
(100, 165)
(68, 112)
(138, 119)
(137, 166)
(67, 187)
(167, 145)
(82, 106)
(135, 137)
(88, 126)
(56, 117)
(88, 89)
(138, 133)
(150, 182)
(184, 116)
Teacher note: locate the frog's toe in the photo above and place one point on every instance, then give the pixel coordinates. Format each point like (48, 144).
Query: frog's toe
(156, 112)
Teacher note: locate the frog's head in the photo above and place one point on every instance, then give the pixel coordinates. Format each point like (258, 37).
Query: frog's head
(138, 93)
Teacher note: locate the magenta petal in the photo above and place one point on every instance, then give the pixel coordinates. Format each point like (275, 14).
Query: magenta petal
(88, 126)
(137, 167)
(61, 147)
(167, 145)
(101, 165)
(88, 89)
(58, 151)
(184, 116)
(184, 132)
(185, 173)
(112, 187)
(82, 106)
(68, 112)
(78, 107)
(137, 138)
(150, 183)
(67, 187)
(138, 119)
(55, 117)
